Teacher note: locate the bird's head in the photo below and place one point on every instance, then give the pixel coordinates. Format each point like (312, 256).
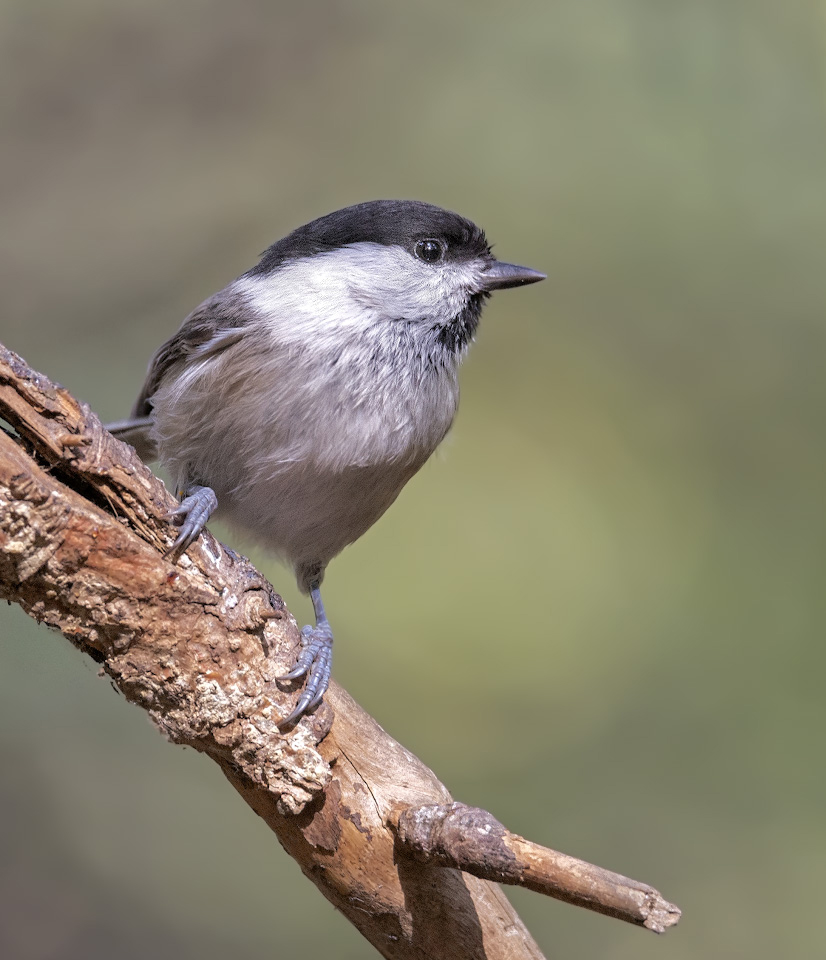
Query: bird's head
(394, 261)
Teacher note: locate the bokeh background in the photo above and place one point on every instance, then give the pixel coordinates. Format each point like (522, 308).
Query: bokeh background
(599, 612)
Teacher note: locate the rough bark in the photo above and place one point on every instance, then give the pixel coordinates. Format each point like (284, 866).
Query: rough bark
(199, 645)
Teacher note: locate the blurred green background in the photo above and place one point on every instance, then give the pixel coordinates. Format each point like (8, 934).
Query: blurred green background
(599, 611)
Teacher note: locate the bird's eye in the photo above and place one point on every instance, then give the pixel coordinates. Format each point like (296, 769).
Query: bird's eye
(430, 251)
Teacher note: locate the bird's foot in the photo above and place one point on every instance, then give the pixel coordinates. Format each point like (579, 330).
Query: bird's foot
(191, 515)
(316, 661)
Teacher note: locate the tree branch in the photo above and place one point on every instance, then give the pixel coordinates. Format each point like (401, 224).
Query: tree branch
(199, 645)
(467, 838)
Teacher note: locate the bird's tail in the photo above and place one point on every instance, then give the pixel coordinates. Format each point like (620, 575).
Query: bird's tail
(136, 431)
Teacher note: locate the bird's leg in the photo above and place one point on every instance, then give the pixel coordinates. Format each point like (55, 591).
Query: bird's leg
(191, 516)
(315, 659)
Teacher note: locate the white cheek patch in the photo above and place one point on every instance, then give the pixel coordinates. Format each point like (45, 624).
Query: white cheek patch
(354, 287)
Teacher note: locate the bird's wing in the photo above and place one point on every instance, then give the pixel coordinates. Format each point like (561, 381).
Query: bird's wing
(208, 330)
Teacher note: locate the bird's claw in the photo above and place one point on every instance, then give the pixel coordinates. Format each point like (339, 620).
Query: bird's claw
(316, 661)
(191, 515)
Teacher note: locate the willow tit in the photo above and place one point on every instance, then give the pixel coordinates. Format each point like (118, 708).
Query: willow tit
(302, 397)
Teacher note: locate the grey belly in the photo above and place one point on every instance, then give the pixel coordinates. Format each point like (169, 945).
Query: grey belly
(307, 516)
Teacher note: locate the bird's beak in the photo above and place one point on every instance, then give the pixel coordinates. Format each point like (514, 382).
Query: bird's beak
(500, 276)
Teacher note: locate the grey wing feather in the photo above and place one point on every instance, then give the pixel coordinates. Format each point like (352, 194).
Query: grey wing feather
(211, 328)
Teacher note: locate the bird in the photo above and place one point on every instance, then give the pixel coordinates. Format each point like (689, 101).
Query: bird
(300, 399)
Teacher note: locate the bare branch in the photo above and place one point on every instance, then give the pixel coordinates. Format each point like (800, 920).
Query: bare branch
(467, 838)
(198, 645)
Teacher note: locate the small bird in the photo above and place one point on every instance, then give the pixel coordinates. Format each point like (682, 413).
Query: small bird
(301, 398)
